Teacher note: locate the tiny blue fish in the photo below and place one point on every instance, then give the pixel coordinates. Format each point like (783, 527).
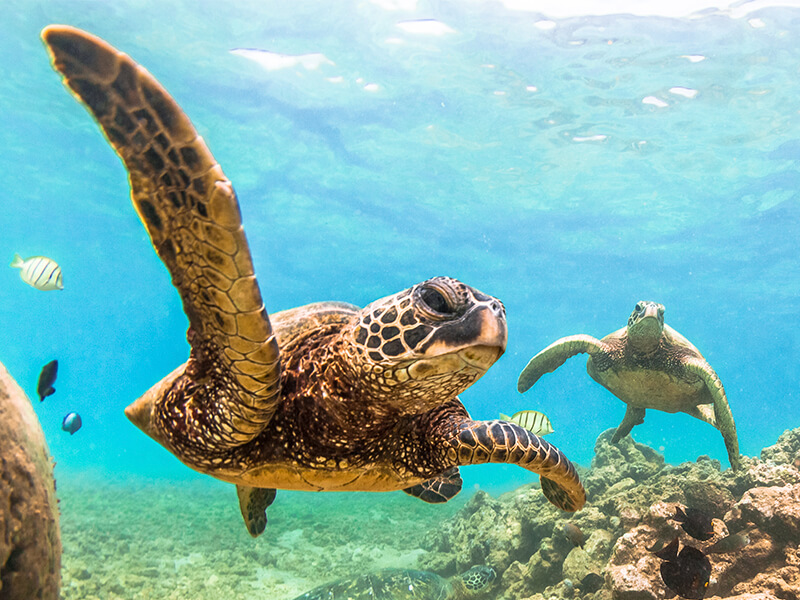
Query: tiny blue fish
(71, 423)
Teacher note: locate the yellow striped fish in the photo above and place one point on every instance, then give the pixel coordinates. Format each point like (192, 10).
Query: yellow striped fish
(40, 272)
(534, 421)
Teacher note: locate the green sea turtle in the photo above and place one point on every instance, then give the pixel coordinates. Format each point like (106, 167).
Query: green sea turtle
(404, 584)
(321, 397)
(646, 365)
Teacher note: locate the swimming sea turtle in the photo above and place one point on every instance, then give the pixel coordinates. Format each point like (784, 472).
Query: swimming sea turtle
(324, 397)
(404, 584)
(646, 365)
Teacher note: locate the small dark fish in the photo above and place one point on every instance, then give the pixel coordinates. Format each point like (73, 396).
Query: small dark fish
(574, 535)
(662, 542)
(71, 423)
(695, 522)
(591, 583)
(668, 552)
(46, 380)
(687, 573)
(731, 543)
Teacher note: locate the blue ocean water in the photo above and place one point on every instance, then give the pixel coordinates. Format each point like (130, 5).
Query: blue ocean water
(568, 164)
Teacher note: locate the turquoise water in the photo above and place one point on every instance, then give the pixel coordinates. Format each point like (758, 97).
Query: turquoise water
(568, 165)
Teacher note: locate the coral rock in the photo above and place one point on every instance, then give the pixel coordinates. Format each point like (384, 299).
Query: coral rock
(776, 511)
(30, 541)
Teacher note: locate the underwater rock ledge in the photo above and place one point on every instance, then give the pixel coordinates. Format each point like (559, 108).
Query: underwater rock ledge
(30, 541)
(632, 497)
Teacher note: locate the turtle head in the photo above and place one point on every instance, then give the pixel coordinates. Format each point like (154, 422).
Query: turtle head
(428, 343)
(646, 325)
(475, 579)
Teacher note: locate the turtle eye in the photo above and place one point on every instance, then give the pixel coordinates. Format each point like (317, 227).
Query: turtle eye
(638, 307)
(435, 301)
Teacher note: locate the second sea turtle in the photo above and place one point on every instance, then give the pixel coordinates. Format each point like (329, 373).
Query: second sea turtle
(406, 584)
(646, 364)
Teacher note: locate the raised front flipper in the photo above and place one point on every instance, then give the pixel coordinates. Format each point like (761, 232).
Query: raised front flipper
(253, 502)
(722, 410)
(555, 355)
(479, 442)
(192, 216)
(438, 489)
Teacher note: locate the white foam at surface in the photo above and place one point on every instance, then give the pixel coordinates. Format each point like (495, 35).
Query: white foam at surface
(590, 138)
(652, 100)
(425, 27)
(274, 61)
(675, 8)
(407, 5)
(693, 58)
(683, 91)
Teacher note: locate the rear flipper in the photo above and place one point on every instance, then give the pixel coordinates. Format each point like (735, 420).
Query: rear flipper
(633, 416)
(253, 503)
(437, 489)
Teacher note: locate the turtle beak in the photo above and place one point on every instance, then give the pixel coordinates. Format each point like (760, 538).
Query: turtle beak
(491, 342)
(651, 311)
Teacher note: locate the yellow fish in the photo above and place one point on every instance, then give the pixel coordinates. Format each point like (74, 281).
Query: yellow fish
(534, 421)
(40, 272)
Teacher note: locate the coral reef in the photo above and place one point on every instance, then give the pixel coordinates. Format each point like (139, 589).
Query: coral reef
(190, 542)
(30, 542)
(633, 496)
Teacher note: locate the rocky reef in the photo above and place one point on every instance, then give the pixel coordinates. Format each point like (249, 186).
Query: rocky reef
(30, 543)
(632, 497)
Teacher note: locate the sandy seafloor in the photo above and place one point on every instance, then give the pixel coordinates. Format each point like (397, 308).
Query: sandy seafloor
(143, 540)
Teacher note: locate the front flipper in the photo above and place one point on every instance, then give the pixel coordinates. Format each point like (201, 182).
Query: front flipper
(479, 442)
(253, 502)
(555, 355)
(192, 216)
(722, 410)
(438, 489)
(633, 416)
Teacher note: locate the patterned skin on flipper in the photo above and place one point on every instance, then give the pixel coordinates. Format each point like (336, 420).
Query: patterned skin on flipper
(438, 489)
(192, 216)
(499, 442)
(646, 364)
(362, 400)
